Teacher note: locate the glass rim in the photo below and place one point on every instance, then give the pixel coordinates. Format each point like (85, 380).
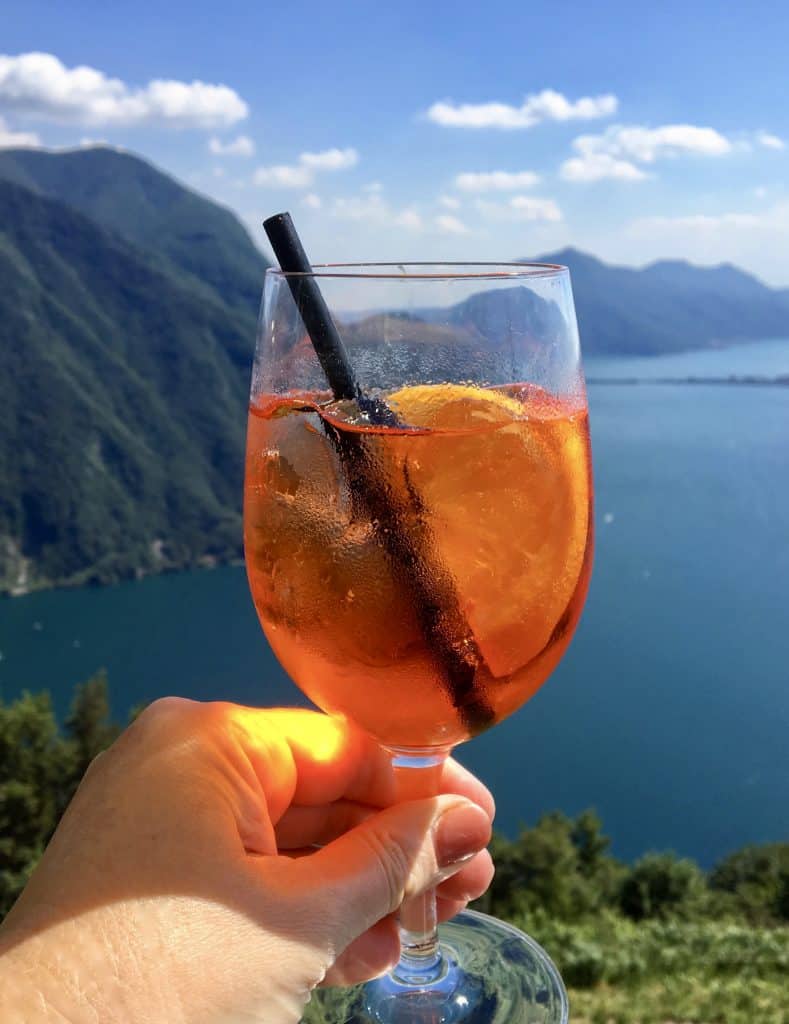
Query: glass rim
(427, 270)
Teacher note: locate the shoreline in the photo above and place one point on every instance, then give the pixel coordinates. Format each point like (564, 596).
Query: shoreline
(138, 576)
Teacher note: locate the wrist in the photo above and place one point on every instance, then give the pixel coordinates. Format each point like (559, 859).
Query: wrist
(36, 991)
(82, 970)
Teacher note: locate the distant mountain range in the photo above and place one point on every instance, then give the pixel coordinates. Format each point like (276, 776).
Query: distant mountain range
(127, 320)
(669, 306)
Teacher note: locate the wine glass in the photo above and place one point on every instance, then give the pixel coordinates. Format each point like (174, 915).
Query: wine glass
(419, 550)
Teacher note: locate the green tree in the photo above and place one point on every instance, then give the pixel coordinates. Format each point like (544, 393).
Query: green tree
(588, 839)
(660, 885)
(40, 769)
(756, 880)
(88, 724)
(556, 866)
(35, 766)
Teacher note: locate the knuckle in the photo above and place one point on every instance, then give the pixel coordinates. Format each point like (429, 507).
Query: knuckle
(163, 724)
(163, 711)
(177, 716)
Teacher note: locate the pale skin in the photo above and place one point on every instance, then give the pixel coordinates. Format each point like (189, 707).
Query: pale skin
(217, 863)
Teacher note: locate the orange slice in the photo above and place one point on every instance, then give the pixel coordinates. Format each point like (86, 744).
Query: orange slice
(505, 482)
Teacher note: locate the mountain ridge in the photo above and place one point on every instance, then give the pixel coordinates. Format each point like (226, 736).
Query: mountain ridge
(127, 194)
(669, 305)
(571, 254)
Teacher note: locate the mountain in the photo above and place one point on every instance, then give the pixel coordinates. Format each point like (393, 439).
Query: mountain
(124, 373)
(669, 306)
(179, 229)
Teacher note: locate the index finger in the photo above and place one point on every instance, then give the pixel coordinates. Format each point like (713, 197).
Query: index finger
(333, 759)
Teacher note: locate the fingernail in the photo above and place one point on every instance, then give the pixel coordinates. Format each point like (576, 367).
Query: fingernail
(461, 832)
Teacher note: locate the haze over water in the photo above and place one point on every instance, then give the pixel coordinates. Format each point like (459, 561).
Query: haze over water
(671, 711)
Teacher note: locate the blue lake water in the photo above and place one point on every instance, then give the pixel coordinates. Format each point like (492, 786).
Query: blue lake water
(765, 359)
(669, 715)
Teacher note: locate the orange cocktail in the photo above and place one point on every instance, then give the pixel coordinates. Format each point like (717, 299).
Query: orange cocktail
(491, 487)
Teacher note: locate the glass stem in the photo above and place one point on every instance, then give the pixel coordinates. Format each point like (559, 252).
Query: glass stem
(417, 775)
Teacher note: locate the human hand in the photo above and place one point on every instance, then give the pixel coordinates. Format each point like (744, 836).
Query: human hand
(183, 885)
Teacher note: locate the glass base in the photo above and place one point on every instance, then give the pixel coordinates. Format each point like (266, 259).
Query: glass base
(492, 972)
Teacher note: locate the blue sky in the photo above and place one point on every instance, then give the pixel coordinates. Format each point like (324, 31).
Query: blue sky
(435, 130)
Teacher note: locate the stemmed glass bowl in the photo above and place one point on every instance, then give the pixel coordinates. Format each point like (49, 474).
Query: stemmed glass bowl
(419, 553)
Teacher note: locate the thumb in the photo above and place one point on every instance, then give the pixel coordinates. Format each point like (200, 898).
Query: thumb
(366, 873)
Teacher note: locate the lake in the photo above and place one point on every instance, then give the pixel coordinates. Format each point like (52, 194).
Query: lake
(670, 713)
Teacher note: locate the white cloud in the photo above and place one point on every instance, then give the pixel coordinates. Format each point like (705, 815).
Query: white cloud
(373, 187)
(40, 85)
(312, 201)
(302, 174)
(498, 181)
(529, 208)
(374, 210)
(361, 208)
(449, 202)
(760, 192)
(283, 176)
(532, 208)
(330, 159)
(547, 105)
(450, 225)
(14, 140)
(616, 152)
(408, 219)
(649, 144)
(770, 141)
(597, 166)
(240, 146)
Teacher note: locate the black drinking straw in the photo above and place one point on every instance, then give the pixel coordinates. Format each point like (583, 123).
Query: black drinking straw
(431, 586)
(326, 341)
